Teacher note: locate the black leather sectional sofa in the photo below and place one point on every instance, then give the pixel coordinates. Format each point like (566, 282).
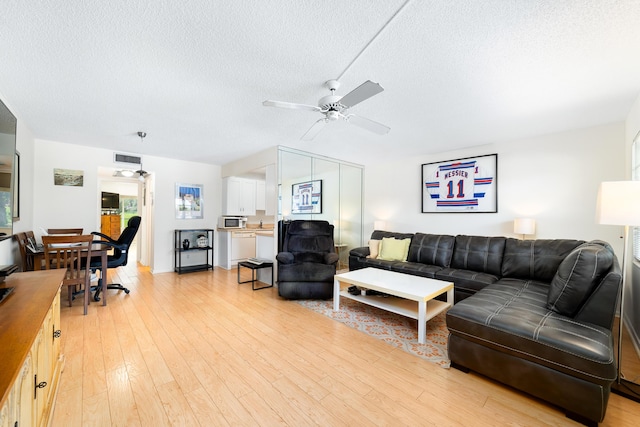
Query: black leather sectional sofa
(533, 314)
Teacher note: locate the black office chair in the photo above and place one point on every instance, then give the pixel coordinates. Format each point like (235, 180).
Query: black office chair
(119, 256)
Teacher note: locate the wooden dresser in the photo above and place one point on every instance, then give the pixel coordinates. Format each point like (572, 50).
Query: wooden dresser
(110, 225)
(30, 350)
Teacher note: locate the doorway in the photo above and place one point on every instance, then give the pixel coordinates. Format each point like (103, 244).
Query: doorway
(133, 197)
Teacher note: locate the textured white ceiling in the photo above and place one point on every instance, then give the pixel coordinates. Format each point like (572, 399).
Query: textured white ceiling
(193, 73)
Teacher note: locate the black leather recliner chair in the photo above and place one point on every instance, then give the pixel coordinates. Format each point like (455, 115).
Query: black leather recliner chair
(307, 260)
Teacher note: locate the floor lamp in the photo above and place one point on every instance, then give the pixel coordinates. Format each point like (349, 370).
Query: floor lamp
(619, 204)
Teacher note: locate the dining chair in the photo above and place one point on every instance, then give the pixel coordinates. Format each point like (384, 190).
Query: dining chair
(67, 231)
(27, 261)
(68, 252)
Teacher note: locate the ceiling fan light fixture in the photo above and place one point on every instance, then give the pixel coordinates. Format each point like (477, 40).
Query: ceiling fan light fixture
(126, 173)
(333, 115)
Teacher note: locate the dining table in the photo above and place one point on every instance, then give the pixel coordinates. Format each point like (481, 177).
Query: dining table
(96, 248)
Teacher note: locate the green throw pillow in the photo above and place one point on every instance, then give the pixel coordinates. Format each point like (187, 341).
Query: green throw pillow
(393, 249)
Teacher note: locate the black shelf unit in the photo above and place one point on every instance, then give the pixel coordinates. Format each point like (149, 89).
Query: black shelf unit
(192, 237)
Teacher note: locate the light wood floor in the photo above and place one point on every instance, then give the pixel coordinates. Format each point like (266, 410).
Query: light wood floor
(198, 349)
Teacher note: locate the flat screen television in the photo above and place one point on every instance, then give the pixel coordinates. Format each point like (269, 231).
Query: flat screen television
(110, 200)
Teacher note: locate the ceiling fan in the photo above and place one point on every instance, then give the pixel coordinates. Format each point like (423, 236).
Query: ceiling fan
(334, 107)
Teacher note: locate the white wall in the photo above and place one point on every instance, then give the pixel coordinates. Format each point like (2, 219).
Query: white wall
(552, 178)
(62, 207)
(172, 172)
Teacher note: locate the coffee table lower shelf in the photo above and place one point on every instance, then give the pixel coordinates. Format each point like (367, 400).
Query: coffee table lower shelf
(401, 306)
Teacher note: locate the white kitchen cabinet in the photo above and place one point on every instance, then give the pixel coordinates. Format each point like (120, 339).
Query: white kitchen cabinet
(243, 246)
(235, 246)
(239, 196)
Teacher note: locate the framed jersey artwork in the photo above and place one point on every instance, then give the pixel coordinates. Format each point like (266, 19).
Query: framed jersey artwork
(461, 186)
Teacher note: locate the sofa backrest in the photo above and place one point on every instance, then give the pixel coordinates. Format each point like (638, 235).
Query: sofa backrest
(431, 249)
(309, 236)
(535, 259)
(379, 234)
(600, 307)
(478, 253)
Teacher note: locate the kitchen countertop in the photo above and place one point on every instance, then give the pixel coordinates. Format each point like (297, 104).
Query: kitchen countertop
(257, 231)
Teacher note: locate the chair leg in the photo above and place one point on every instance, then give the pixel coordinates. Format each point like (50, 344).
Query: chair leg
(70, 291)
(98, 289)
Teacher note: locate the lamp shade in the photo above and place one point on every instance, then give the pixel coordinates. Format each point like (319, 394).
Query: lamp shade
(618, 203)
(379, 225)
(524, 226)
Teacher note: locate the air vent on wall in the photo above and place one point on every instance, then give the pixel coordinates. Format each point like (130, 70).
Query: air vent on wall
(126, 159)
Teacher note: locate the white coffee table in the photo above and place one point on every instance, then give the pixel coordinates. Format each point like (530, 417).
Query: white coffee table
(409, 290)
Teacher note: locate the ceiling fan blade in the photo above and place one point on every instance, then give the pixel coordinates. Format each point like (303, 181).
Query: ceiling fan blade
(365, 91)
(314, 130)
(291, 105)
(367, 124)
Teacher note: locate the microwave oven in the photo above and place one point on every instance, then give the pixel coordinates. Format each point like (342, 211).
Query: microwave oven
(232, 222)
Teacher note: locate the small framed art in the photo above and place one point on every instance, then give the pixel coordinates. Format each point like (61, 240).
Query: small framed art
(189, 201)
(307, 197)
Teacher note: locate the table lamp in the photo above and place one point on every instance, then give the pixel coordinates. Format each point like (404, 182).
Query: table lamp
(379, 225)
(524, 226)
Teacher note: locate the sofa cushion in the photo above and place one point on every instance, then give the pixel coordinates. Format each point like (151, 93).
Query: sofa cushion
(306, 272)
(477, 253)
(317, 257)
(431, 249)
(379, 263)
(535, 259)
(466, 281)
(415, 269)
(392, 249)
(374, 246)
(511, 316)
(577, 276)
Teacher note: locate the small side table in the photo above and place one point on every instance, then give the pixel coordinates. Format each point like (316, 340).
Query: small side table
(253, 268)
(339, 247)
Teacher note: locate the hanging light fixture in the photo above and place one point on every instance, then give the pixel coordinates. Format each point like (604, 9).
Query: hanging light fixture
(141, 172)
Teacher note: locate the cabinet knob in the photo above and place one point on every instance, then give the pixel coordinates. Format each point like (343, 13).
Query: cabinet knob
(57, 333)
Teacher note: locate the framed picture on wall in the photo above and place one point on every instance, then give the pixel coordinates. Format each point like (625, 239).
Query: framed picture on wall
(68, 177)
(461, 185)
(189, 201)
(306, 197)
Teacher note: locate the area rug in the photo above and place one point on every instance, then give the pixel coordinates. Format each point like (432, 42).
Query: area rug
(394, 329)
